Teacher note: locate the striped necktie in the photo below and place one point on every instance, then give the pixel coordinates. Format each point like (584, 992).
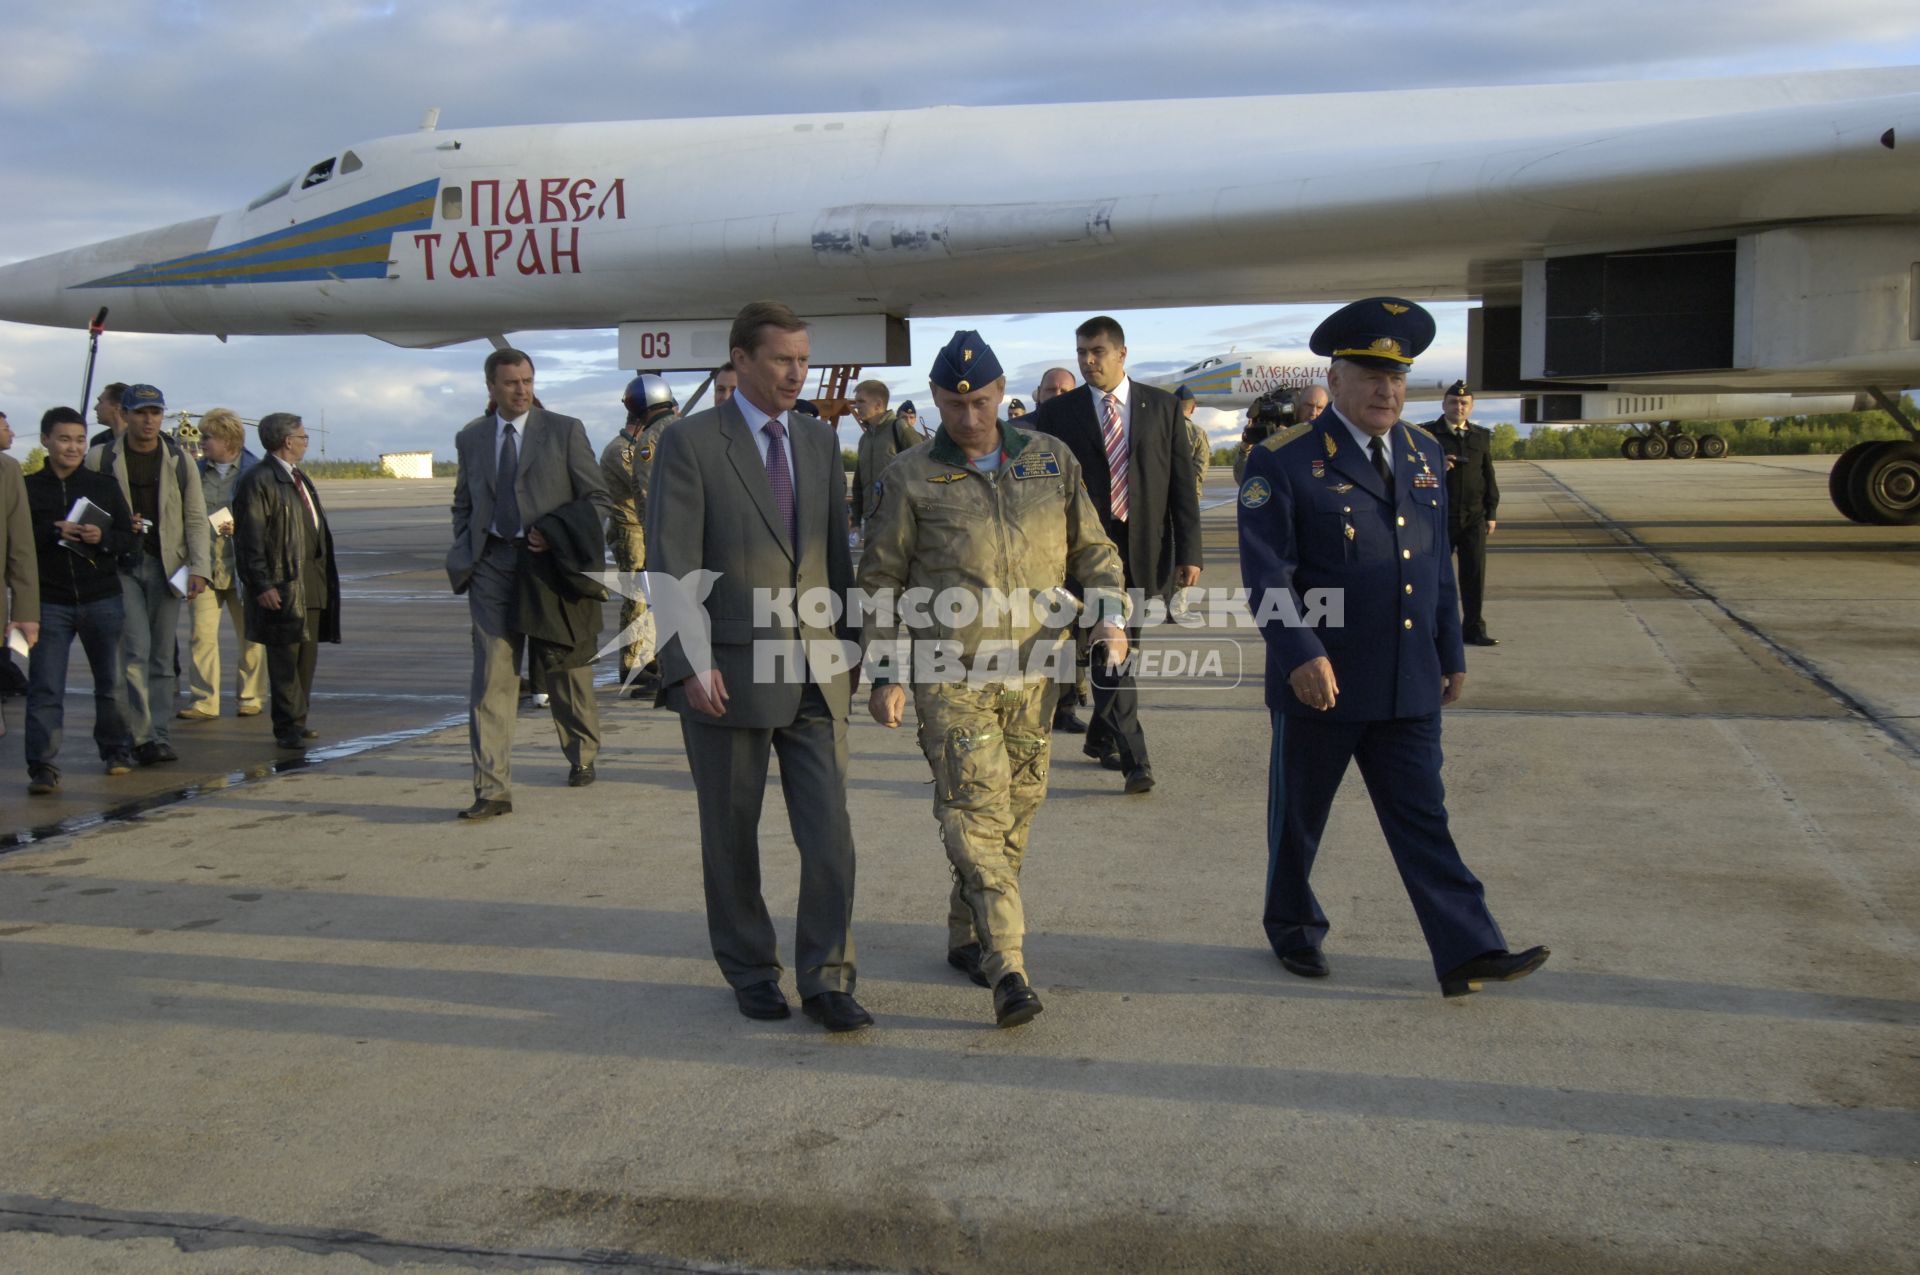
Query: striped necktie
(1116, 459)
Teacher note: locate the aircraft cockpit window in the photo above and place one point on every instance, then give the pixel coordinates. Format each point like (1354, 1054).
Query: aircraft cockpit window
(1201, 366)
(317, 174)
(271, 195)
(349, 163)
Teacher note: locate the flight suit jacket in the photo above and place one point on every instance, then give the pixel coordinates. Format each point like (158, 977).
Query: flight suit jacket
(1472, 494)
(1314, 515)
(627, 465)
(943, 524)
(879, 444)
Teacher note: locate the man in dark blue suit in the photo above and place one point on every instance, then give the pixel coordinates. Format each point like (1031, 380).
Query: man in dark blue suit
(1345, 555)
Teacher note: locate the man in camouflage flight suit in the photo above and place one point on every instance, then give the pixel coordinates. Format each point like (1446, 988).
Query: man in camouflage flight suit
(627, 466)
(995, 514)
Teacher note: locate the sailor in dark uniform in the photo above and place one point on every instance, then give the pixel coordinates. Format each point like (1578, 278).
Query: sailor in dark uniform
(1349, 513)
(1473, 499)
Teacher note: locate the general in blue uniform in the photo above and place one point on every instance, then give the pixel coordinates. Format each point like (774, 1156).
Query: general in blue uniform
(1355, 503)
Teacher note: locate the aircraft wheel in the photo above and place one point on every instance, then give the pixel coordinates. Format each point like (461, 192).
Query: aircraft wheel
(1884, 485)
(1682, 446)
(1654, 447)
(1713, 447)
(1631, 448)
(1839, 477)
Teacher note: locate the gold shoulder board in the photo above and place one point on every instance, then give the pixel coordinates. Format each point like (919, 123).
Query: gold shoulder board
(1285, 436)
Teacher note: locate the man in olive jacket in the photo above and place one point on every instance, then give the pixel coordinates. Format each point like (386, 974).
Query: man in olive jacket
(283, 553)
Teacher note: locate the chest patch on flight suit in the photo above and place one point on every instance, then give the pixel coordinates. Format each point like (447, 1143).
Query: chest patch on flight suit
(945, 478)
(1038, 465)
(1255, 494)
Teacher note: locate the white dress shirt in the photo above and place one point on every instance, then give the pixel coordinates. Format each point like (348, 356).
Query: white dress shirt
(1364, 440)
(757, 423)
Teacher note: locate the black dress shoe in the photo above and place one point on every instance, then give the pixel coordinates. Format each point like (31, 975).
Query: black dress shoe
(764, 1001)
(1065, 719)
(1481, 639)
(1139, 780)
(835, 1011)
(482, 808)
(1108, 755)
(1014, 1002)
(966, 959)
(580, 776)
(309, 734)
(292, 739)
(1493, 967)
(153, 753)
(1307, 962)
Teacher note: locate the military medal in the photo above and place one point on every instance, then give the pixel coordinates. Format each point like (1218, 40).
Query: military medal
(1319, 469)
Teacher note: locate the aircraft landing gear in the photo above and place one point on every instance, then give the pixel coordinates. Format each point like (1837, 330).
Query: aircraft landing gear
(1664, 439)
(1879, 482)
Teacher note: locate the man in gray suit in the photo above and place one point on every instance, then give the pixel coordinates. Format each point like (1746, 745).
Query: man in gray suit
(518, 463)
(753, 493)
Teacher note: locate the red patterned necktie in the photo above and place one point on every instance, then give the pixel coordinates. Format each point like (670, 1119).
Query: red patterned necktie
(1116, 460)
(306, 498)
(780, 478)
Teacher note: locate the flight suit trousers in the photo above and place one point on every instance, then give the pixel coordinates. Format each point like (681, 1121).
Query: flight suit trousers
(988, 747)
(1400, 761)
(629, 542)
(250, 686)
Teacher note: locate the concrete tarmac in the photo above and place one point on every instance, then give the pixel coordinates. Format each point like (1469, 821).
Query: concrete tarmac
(309, 1022)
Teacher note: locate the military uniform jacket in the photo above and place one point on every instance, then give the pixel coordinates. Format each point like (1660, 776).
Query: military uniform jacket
(1315, 515)
(626, 464)
(943, 524)
(1472, 494)
(879, 444)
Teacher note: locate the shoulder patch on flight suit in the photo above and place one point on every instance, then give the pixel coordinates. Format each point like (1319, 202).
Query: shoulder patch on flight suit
(646, 453)
(1037, 465)
(1285, 436)
(1255, 493)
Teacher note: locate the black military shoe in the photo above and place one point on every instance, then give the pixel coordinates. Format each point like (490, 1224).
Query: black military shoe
(966, 959)
(1481, 639)
(1307, 962)
(1139, 781)
(1493, 967)
(482, 808)
(580, 776)
(291, 740)
(836, 1011)
(153, 753)
(763, 1001)
(1014, 1002)
(1065, 719)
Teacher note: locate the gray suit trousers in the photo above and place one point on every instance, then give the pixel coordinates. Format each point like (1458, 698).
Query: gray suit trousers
(493, 699)
(729, 767)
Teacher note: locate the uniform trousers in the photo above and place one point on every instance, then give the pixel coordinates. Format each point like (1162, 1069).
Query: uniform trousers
(1470, 547)
(493, 695)
(989, 747)
(629, 543)
(729, 765)
(1400, 762)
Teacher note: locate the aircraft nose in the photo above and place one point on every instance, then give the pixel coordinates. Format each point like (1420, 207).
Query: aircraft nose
(30, 292)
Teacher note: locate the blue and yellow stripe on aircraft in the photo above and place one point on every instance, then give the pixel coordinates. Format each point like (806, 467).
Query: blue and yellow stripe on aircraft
(354, 243)
(1215, 380)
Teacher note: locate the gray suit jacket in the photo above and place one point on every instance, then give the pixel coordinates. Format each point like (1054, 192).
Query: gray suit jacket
(712, 509)
(557, 465)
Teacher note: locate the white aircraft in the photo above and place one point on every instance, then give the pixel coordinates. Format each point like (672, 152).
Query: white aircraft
(1238, 377)
(1706, 236)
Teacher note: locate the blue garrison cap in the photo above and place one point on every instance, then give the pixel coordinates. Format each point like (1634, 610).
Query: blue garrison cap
(1380, 332)
(907, 406)
(966, 363)
(135, 397)
(1183, 395)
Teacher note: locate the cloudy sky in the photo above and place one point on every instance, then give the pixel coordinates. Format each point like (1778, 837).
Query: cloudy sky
(119, 115)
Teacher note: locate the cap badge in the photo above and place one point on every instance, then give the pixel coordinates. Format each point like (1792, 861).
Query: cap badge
(961, 387)
(1385, 345)
(1391, 308)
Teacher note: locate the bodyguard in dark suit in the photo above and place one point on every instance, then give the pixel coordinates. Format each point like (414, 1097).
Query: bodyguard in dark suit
(754, 493)
(290, 585)
(1473, 499)
(1351, 510)
(1131, 442)
(518, 463)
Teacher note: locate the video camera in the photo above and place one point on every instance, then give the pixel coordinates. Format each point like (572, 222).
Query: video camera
(1271, 412)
